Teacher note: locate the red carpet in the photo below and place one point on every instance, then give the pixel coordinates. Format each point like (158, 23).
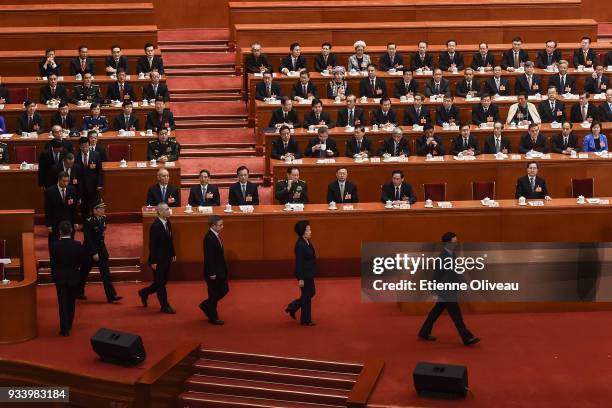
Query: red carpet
(218, 83)
(524, 360)
(228, 109)
(223, 137)
(207, 58)
(193, 34)
(222, 166)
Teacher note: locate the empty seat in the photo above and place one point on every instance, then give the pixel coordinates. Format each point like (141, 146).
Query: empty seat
(483, 189)
(434, 191)
(583, 187)
(118, 152)
(25, 154)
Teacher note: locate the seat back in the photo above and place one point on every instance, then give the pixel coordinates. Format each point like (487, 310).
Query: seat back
(18, 95)
(434, 191)
(2, 248)
(583, 187)
(25, 154)
(118, 152)
(483, 189)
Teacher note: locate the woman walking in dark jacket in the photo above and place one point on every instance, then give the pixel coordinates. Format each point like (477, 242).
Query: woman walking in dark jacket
(305, 271)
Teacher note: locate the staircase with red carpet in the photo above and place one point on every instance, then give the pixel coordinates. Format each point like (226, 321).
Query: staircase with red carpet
(210, 112)
(238, 380)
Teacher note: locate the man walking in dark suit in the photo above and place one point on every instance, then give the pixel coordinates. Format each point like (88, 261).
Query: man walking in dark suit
(215, 270)
(447, 299)
(60, 205)
(91, 175)
(65, 255)
(161, 256)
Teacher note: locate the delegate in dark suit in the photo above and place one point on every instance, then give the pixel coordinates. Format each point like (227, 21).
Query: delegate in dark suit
(214, 266)
(143, 64)
(261, 92)
(280, 116)
(522, 85)
(411, 117)
(4, 94)
(77, 68)
(172, 197)
(479, 61)
(490, 145)
(379, 90)
(402, 90)
(343, 117)
(58, 209)
(405, 193)
(596, 85)
(458, 145)
(444, 115)
(330, 145)
(479, 115)
(524, 188)
(278, 149)
(46, 93)
(26, 125)
(250, 196)
(94, 229)
(122, 63)
(527, 144)
(544, 60)
(563, 86)
(65, 258)
(252, 64)
(381, 118)
(424, 148)
(155, 121)
(548, 115)
(206, 197)
(445, 61)
(161, 253)
(114, 94)
(334, 193)
(605, 112)
(93, 177)
(67, 123)
(120, 122)
(463, 88)
(353, 147)
(559, 145)
(305, 270)
(576, 113)
(321, 64)
(150, 92)
(45, 72)
(385, 62)
(390, 147)
(421, 62)
(298, 90)
(287, 62)
(492, 88)
(310, 118)
(508, 58)
(590, 60)
(431, 88)
(47, 164)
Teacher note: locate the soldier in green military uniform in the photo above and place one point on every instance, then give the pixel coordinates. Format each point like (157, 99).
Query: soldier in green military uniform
(87, 91)
(96, 253)
(163, 149)
(292, 190)
(4, 153)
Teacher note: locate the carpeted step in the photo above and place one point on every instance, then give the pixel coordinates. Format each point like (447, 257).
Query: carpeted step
(221, 167)
(197, 60)
(281, 375)
(167, 49)
(180, 85)
(209, 110)
(203, 400)
(241, 137)
(207, 97)
(262, 389)
(220, 152)
(122, 269)
(193, 34)
(212, 124)
(200, 71)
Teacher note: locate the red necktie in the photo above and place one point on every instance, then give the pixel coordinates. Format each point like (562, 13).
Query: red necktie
(121, 91)
(83, 65)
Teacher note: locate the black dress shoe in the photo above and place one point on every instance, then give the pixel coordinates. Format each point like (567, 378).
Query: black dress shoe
(82, 297)
(308, 324)
(64, 333)
(114, 299)
(427, 337)
(217, 322)
(471, 341)
(168, 310)
(291, 313)
(143, 297)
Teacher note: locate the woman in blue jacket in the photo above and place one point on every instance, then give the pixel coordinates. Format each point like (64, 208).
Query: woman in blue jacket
(595, 141)
(305, 272)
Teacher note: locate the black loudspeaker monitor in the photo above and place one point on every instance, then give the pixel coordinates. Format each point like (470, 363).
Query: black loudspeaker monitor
(118, 347)
(440, 380)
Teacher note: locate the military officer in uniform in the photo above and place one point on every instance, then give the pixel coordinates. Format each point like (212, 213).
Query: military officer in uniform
(163, 149)
(4, 153)
(96, 253)
(292, 190)
(87, 91)
(95, 121)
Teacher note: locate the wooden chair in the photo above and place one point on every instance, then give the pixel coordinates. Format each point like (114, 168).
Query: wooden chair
(483, 189)
(18, 95)
(583, 187)
(25, 154)
(434, 191)
(118, 152)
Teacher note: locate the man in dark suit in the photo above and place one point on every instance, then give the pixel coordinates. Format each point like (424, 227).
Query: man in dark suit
(351, 115)
(391, 59)
(316, 117)
(531, 186)
(417, 114)
(285, 146)
(483, 58)
(605, 109)
(64, 118)
(161, 256)
(115, 61)
(548, 57)
(497, 85)
(121, 90)
(163, 191)
(421, 59)
(267, 88)
(448, 113)
(4, 95)
(451, 59)
(359, 145)
(584, 55)
(160, 118)
(243, 192)
(127, 120)
(429, 143)
(150, 62)
(73, 170)
(52, 91)
(395, 146)
(437, 85)
(60, 205)
(584, 111)
(326, 60)
(155, 89)
(563, 82)
(57, 133)
(552, 110)
(82, 64)
(468, 85)
(304, 88)
(465, 143)
(95, 146)
(385, 114)
(30, 120)
(372, 86)
(397, 191)
(608, 59)
(566, 141)
(447, 299)
(598, 82)
(49, 65)
(292, 189)
(65, 258)
(529, 83)
(497, 143)
(341, 190)
(92, 176)
(406, 86)
(285, 115)
(48, 161)
(256, 61)
(293, 62)
(515, 57)
(321, 146)
(215, 270)
(485, 111)
(533, 140)
(204, 194)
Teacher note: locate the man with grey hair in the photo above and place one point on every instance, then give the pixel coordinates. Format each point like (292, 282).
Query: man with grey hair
(397, 145)
(161, 256)
(256, 61)
(215, 270)
(528, 83)
(163, 191)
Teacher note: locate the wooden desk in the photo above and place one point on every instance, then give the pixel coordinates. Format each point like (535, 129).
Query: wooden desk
(12, 111)
(369, 177)
(125, 189)
(138, 144)
(261, 244)
(303, 136)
